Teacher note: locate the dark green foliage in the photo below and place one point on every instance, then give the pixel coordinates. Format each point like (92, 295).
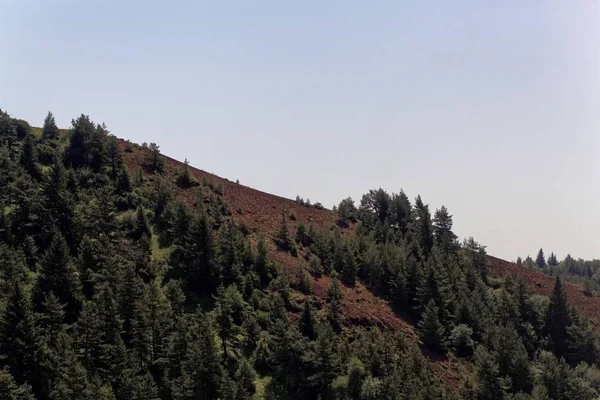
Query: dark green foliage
(308, 324)
(154, 161)
(334, 305)
(558, 319)
(8, 130)
(50, 130)
(431, 331)
(29, 157)
(540, 260)
(423, 226)
(20, 342)
(347, 211)
(10, 390)
(552, 261)
(57, 275)
(283, 237)
(180, 300)
(184, 177)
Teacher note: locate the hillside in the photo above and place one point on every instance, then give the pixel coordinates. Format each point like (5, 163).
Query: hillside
(261, 212)
(126, 274)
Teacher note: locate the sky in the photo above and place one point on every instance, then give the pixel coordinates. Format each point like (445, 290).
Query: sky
(491, 108)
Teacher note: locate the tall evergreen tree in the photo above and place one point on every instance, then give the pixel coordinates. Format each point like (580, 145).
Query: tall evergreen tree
(307, 321)
(334, 305)
(57, 275)
(431, 331)
(442, 230)
(423, 226)
(10, 390)
(558, 319)
(50, 130)
(20, 342)
(29, 157)
(540, 261)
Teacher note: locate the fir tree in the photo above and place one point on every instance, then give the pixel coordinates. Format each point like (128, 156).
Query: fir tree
(558, 319)
(52, 319)
(424, 227)
(334, 305)
(20, 341)
(431, 331)
(10, 390)
(552, 261)
(202, 371)
(442, 230)
(154, 160)
(29, 157)
(245, 377)
(540, 261)
(114, 158)
(57, 275)
(307, 321)
(50, 130)
(283, 237)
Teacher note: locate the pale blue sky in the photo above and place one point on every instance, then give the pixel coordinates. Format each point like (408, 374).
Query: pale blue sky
(491, 108)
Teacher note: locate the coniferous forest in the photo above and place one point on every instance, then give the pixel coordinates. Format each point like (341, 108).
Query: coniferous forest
(120, 281)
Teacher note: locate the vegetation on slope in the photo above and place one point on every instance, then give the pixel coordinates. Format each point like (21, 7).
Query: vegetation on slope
(126, 275)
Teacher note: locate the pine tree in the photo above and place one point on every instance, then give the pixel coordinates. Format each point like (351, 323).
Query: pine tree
(154, 160)
(184, 177)
(283, 237)
(78, 152)
(142, 226)
(491, 386)
(347, 211)
(431, 331)
(245, 377)
(20, 341)
(52, 318)
(8, 130)
(540, 261)
(558, 319)
(442, 230)
(552, 261)
(10, 390)
(262, 263)
(350, 267)
(424, 227)
(334, 305)
(202, 371)
(324, 359)
(29, 157)
(400, 212)
(50, 130)
(227, 304)
(198, 256)
(59, 203)
(58, 275)
(307, 321)
(114, 158)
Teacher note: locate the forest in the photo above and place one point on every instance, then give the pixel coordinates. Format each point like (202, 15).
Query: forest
(580, 271)
(120, 281)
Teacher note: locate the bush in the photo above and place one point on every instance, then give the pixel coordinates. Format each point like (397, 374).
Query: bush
(128, 148)
(293, 215)
(319, 206)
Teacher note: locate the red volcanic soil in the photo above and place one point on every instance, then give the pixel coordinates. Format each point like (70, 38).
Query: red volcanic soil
(262, 212)
(543, 284)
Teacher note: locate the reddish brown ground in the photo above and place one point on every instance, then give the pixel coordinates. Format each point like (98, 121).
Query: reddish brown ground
(261, 212)
(543, 285)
